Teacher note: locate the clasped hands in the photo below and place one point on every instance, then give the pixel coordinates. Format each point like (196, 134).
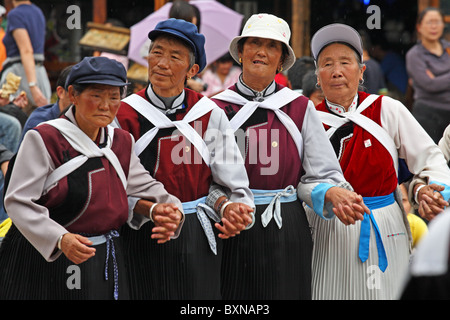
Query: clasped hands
(348, 206)
(165, 216)
(430, 200)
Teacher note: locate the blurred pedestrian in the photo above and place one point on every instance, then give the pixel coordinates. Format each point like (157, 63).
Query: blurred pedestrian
(162, 118)
(288, 158)
(393, 66)
(373, 75)
(310, 90)
(51, 111)
(417, 225)
(220, 75)
(66, 208)
(24, 42)
(428, 65)
(296, 73)
(182, 9)
(369, 134)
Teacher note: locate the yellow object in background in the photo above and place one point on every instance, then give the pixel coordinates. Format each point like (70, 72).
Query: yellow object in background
(4, 227)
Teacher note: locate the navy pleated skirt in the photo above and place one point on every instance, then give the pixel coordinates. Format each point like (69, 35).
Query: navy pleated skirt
(180, 269)
(267, 262)
(26, 275)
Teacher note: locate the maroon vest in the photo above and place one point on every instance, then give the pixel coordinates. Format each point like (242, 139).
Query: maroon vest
(174, 162)
(92, 199)
(270, 153)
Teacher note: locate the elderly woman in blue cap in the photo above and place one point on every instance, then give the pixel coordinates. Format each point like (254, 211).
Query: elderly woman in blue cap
(184, 140)
(369, 133)
(68, 206)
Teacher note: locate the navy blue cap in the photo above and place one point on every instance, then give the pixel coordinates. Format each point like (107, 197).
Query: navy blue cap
(98, 70)
(186, 31)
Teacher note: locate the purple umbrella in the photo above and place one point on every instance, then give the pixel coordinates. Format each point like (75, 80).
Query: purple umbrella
(219, 24)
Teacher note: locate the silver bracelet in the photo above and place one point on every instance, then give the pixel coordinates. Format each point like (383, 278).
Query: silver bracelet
(151, 211)
(222, 209)
(59, 241)
(417, 193)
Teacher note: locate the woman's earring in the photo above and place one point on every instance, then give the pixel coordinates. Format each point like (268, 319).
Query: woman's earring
(240, 60)
(317, 85)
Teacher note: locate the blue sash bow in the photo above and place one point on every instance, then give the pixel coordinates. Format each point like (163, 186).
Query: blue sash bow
(364, 240)
(274, 198)
(203, 212)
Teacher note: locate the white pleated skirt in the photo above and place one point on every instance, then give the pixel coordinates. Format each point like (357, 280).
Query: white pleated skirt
(337, 271)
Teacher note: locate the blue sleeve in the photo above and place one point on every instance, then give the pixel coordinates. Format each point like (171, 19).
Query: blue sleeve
(318, 198)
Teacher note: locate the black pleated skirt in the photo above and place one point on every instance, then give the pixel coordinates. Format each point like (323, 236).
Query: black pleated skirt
(26, 275)
(180, 269)
(269, 263)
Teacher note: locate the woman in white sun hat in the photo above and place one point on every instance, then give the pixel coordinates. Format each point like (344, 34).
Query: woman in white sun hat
(287, 156)
(369, 134)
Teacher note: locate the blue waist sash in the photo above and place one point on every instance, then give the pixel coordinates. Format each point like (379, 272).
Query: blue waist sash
(364, 240)
(203, 212)
(274, 198)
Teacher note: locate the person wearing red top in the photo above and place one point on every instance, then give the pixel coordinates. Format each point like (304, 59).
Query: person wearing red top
(369, 134)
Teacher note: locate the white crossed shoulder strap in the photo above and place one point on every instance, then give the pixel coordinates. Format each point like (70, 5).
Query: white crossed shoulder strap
(88, 149)
(161, 121)
(364, 122)
(274, 103)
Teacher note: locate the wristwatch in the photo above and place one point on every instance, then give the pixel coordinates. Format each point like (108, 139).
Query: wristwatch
(31, 84)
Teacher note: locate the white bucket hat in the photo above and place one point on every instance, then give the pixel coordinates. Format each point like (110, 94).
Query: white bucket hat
(266, 26)
(336, 32)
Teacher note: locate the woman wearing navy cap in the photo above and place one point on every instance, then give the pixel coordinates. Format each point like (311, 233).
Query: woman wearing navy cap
(184, 140)
(67, 207)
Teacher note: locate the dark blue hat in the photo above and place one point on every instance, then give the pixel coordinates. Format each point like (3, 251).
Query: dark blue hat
(98, 70)
(186, 31)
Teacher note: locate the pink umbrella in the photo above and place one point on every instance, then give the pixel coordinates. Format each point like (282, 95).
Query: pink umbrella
(219, 24)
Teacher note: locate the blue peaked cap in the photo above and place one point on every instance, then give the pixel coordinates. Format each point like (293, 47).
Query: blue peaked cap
(187, 32)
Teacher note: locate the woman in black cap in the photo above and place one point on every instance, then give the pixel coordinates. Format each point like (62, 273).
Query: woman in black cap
(67, 207)
(184, 140)
(369, 133)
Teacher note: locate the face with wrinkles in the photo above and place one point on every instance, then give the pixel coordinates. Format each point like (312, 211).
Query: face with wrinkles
(339, 73)
(96, 107)
(168, 66)
(261, 59)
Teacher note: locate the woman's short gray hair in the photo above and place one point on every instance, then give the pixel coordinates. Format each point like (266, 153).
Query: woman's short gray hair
(191, 51)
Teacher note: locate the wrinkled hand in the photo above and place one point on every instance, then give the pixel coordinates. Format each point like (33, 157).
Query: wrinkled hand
(348, 206)
(431, 202)
(167, 219)
(76, 248)
(236, 218)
